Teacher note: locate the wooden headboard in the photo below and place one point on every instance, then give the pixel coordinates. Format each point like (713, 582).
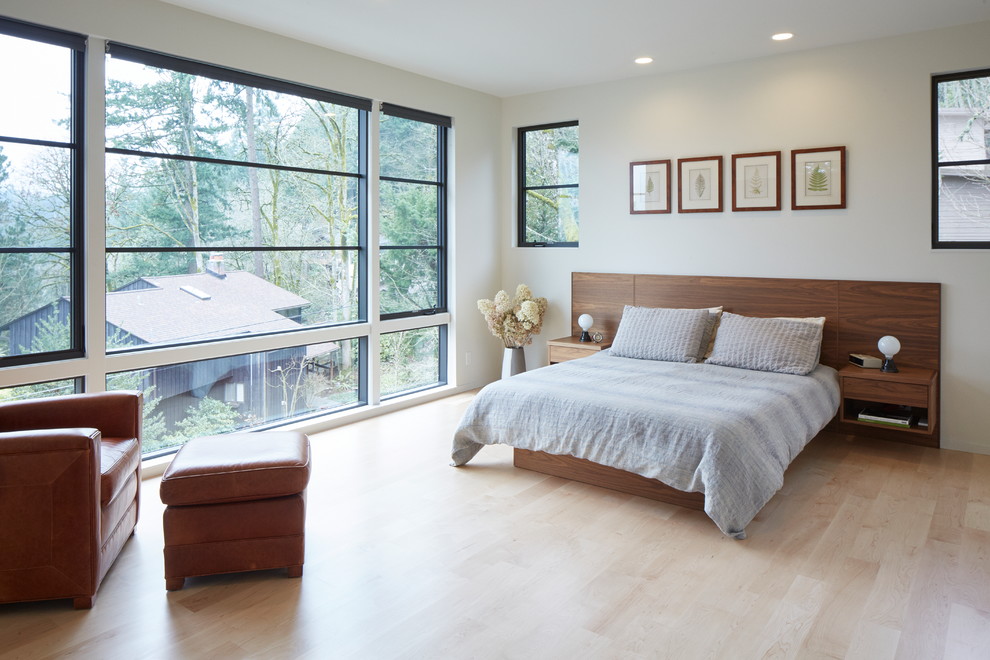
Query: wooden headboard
(857, 313)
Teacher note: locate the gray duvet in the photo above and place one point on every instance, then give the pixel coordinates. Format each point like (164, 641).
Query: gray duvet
(728, 433)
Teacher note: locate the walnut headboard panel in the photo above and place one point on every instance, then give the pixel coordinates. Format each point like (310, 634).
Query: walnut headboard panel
(857, 313)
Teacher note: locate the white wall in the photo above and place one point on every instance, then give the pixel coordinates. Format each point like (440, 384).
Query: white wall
(475, 171)
(872, 97)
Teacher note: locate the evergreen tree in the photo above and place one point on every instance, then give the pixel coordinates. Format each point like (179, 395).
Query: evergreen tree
(170, 202)
(208, 417)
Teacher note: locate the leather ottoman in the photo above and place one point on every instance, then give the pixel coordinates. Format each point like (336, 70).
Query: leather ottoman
(235, 503)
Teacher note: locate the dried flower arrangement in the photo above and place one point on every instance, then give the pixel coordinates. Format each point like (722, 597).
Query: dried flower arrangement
(514, 320)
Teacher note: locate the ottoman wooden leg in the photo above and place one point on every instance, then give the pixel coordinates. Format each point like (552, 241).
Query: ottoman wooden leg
(82, 603)
(174, 584)
(295, 571)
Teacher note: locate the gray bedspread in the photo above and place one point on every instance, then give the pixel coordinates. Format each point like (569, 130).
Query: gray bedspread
(725, 432)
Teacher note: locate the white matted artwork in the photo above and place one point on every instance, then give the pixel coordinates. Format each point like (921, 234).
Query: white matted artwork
(756, 181)
(818, 178)
(649, 186)
(699, 184)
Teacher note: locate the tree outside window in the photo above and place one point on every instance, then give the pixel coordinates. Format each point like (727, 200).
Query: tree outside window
(548, 185)
(40, 206)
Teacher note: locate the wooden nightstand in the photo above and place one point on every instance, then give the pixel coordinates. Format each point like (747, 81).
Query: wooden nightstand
(911, 386)
(569, 348)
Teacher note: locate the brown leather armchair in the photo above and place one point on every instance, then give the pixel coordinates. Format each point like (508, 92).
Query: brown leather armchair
(70, 475)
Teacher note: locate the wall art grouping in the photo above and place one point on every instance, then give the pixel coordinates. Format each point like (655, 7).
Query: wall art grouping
(818, 181)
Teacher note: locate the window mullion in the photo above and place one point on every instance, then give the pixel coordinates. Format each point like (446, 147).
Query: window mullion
(374, 266)
(94, 219)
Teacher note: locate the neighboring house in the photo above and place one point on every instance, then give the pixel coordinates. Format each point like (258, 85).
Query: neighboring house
(964, 206)
(177, 308)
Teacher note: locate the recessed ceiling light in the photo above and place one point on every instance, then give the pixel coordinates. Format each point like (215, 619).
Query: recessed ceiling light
(643, 60)
(782, 36)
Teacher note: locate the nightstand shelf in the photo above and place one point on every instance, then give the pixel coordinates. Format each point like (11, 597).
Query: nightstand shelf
(914, 388)
(570, 348)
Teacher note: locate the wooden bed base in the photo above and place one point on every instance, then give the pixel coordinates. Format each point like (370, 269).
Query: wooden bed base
(857, 314)
(579, 469)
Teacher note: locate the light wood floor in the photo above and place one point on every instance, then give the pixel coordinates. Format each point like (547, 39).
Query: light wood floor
(871, 550)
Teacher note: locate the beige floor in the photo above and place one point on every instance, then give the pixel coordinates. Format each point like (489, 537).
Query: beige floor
(871, 550)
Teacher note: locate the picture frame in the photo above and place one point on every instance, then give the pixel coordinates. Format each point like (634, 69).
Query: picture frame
(756, 181)
(649, 186)
(818, 178)
(699, 184)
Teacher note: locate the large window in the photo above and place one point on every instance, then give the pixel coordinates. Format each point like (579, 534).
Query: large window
(237, 248)
(235, 203)
(412, 211)
(412, 195)
(548, 185)
(961, 154)
(40, 194)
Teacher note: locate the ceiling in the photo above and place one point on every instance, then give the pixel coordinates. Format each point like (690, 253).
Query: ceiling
(511, 47)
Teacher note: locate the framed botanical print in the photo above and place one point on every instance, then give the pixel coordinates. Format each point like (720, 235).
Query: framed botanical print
(756, 181)
(649, 186)
(699, 184)
(818, 178)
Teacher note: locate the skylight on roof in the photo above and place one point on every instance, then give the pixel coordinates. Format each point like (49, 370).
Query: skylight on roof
(193, 291)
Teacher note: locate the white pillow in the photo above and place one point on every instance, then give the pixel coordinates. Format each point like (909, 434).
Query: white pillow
(659, 333)
(784, 345)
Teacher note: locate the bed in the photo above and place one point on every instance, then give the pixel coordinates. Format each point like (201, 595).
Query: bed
(726, 432)
(711, 436)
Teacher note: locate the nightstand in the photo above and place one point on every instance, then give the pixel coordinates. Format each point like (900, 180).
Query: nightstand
(569, 348)
(914, 387)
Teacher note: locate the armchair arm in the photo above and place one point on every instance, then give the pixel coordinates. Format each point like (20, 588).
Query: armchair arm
(115, 414)
(50, 514)
(36, 441)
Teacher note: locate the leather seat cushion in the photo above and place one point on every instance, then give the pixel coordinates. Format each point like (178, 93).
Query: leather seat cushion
(237, 467)
(119, 458)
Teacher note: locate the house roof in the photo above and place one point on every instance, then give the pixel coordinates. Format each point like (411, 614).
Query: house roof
(200, 306)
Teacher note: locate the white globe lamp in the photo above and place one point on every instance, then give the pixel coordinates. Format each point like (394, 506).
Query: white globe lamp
(889, 346)
(585, 321)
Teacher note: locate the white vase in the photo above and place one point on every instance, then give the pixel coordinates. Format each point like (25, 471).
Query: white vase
(513, 362)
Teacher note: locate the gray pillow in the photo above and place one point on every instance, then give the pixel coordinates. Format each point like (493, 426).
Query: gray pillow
(783, 345)
(657, 333)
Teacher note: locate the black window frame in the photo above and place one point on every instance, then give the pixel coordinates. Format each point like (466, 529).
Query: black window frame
(443, 124)
(198, 68)
(78, 385)
(522, 189)
(77, 44)
(442, 331)
(937, 165)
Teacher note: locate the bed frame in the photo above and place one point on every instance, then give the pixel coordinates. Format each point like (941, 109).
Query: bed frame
(857, 314)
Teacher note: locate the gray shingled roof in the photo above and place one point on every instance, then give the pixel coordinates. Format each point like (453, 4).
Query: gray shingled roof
(240, 303)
